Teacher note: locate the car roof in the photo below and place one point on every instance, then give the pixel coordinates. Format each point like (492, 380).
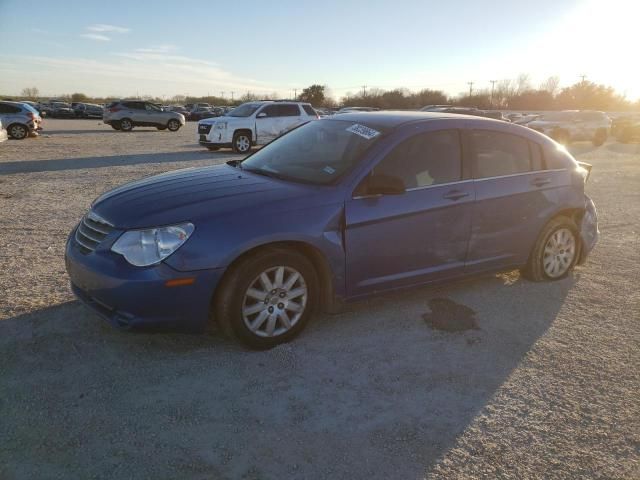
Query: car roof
(15, 104)
(393, 119)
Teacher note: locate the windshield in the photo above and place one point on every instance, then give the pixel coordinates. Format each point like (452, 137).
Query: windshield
(244, 110)
(30, 108)
(61, 105)
(318, 152)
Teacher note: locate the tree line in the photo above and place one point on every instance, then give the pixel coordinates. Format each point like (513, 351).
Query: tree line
(515, 94)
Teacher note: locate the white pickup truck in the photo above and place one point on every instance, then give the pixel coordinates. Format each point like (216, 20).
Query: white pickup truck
(253, 123)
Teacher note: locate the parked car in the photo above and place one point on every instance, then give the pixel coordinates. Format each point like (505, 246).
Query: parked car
(495, 114)
(574, 125)
(62, 110)
(435, 108)
(3, 132)
(126, 114)
(201, 113)
(526, 119)
(88, 110)
(626, 128)
(34, 105)
(253, 123)
(20, 119)
(337, 210)
(357, 109)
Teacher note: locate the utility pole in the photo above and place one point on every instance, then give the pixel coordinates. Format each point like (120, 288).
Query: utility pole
(295, 93)
(232, 97)
(583, 76)
(364, 90)
(470, 88)
(221, 94)
(493, 84)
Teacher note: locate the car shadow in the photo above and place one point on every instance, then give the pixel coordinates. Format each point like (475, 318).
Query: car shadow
(375, 390)
(30, 166)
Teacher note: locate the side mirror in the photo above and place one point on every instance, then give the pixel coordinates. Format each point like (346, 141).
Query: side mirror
(261, 115)
(380, 184)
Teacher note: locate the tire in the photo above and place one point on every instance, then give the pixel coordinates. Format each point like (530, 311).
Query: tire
(552, 258)
(173, 125)
(126, 125)
(255, 310)
(241, 142)
(115, 126)
(561, 136)
(161, 128)
(18, 131)
(600, 137)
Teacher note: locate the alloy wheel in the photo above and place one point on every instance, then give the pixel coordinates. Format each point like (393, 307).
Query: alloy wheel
(18, 132)
(243, 144)
(275, 301)
(559, 252)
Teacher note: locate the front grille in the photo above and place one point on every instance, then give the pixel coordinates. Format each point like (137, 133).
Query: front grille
(91, 231)
(204, 128)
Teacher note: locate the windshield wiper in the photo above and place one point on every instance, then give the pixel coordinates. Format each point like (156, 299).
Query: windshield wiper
(266, 173)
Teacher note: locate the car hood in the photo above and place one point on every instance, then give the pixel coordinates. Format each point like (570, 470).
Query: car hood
(224, 118)
(192, 194)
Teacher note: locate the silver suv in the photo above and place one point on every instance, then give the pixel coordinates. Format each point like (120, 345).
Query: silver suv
(20, 119)
(573, 125)
(126, 114)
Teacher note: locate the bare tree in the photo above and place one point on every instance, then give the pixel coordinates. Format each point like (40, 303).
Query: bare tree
(31, 93)
(551, 85)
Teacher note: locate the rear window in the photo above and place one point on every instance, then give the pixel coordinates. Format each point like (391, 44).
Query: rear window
(30, 108)
(288, 111)
(498, 154)
(309, 110)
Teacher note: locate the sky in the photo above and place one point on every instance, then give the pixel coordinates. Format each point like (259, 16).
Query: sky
(162, 48)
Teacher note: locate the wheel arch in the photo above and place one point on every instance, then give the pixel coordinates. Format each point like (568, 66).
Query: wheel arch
(248, 131)
(328, 302)
(21, 124)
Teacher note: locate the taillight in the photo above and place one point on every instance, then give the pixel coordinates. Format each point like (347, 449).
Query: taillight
(31, 115)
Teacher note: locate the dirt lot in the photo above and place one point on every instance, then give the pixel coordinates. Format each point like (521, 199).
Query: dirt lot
(546, 387)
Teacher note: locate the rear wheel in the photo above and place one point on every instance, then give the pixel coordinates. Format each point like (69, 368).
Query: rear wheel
(267, 299)
(241, 142)
(173, 125)
(18, 131)
(561, 136)
(126, 125)
(600, 137)
(556, 251)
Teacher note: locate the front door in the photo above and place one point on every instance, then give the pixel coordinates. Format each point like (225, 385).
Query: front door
(267, 124)
(419, 235)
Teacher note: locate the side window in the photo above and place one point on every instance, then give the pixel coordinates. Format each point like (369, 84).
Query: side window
(270, 110)
(426, 159)
(288, 110)
(151, 108)
(537, 161)
(4, 108)
(498, 154)
(309, 110)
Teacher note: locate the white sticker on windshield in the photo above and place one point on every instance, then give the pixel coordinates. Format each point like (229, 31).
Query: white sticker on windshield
(363, 131)
(329, 170)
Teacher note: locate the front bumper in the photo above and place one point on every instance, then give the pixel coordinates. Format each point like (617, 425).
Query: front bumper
(131, 297)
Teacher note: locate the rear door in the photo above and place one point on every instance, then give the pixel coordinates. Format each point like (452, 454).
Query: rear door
(420, 235)
(289, 117)
(513, 194)
(135, 111)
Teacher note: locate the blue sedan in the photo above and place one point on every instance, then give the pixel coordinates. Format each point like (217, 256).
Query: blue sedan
(336, 210)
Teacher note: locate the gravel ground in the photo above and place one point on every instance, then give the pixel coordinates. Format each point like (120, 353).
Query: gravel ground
(546, 386)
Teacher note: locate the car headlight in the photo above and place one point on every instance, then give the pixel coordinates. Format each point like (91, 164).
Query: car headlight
(152, 245)
(221, 125)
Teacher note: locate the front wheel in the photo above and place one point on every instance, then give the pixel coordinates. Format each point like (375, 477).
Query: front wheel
(126, 125)
(556, 251)
(267, 299)
(173, 125)
(18, 131)
(241, 142)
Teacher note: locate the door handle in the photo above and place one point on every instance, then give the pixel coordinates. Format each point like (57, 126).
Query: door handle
(540, 182)
(455, 195)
